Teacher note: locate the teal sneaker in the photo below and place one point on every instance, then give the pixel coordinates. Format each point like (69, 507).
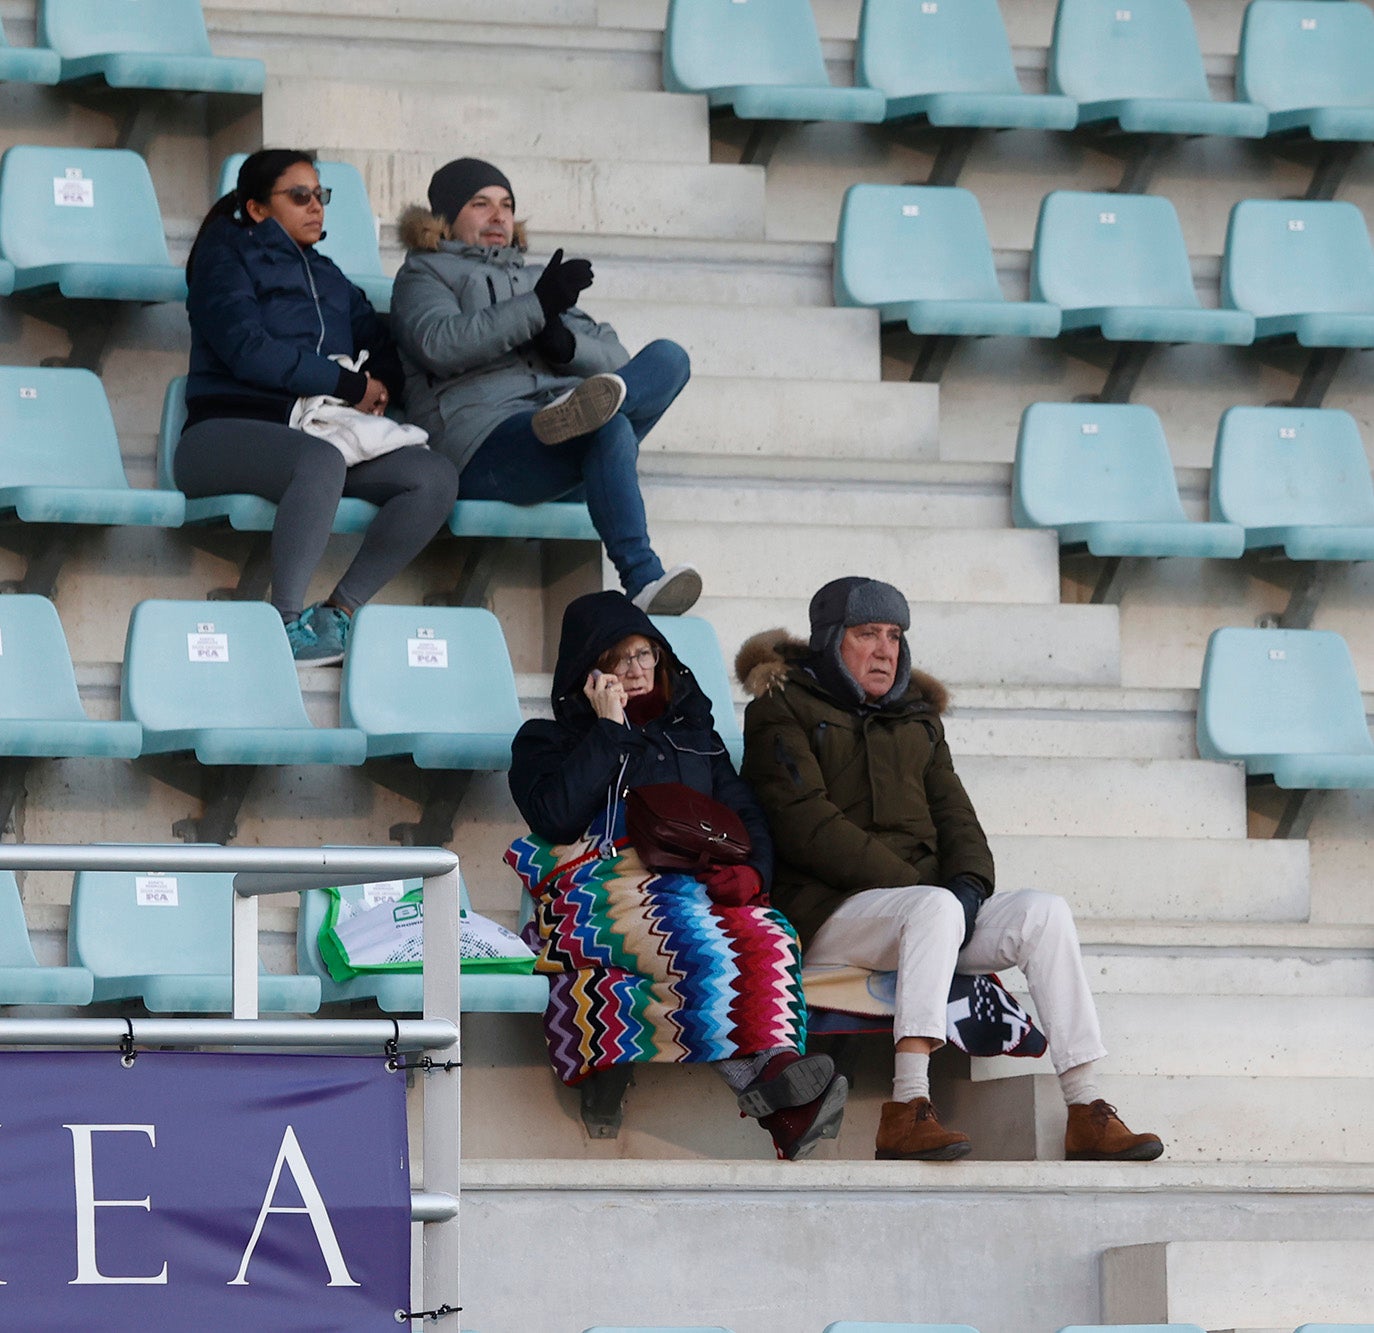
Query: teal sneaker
(318, 635)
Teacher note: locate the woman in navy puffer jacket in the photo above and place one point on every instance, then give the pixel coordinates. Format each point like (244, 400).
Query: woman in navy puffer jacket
(267, 313)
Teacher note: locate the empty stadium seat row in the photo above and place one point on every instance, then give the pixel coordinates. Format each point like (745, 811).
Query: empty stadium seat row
(1304, 67)
(165, 941)
(1290, 481)
(1111, 265)
(155, 44)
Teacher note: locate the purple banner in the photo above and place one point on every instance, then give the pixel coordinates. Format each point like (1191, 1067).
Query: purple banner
(209, 1191)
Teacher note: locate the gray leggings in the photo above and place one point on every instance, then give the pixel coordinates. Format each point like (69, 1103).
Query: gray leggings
(413, 488)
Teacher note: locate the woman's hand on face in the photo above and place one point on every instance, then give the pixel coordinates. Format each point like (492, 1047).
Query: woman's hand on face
(607, 695)
(374, 401)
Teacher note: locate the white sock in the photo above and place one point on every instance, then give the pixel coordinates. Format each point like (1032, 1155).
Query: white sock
(1080, 1084)
(911, 1078)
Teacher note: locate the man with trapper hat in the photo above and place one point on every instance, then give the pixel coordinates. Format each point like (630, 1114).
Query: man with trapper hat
(882, 864)
(529, 396)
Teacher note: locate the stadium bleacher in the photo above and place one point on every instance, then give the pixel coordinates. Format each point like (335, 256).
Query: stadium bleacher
(1234, 969)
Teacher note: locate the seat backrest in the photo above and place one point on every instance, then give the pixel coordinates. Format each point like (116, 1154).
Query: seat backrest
(1110, 249)
(721, 43)
(37, 680)
(694, 643)
(169, 431)
(1276, 466)
(1306, 53)
(1090, 463)
(863, 1326)
(350, 238)
(127, 924)
(209, 664)
(440, 669)
(57, 429)
(1105, 49)
(96, 27)
(88, 205)
(911, 243)
(950, 47)
(1297, 256)
(1279, 691)
(15, 947)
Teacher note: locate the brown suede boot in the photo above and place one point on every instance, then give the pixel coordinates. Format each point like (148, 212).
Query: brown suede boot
(1095, 1134)
(911, 1132)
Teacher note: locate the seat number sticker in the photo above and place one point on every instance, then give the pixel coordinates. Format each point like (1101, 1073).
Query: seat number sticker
(427, 652)
(155, 890)
(207, 646)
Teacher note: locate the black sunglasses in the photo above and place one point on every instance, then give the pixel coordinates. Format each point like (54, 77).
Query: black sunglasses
(301, 195)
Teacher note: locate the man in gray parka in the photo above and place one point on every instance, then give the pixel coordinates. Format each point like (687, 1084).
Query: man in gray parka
(529, 396)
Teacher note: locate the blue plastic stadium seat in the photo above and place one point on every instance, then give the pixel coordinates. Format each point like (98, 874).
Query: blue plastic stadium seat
(151, 44)
(1310, 64)
(1295, 478)
(1117, 263)
(1304, 269)
(694, 643)
(862, 1326)
(557, 520)
(921, 255)
(950, 64)
(217, 678)
(350, 238)
(762, 58)
(22, 979)
(168, 943)
(1131, 1328)
(61, 461)
(1101, 474)
(403, 992)
(85, 220)
(28, 64)
(1138, 66)
(1286, 702)
(6, 277)
(40, 711)
(431, 682)
(244, 513)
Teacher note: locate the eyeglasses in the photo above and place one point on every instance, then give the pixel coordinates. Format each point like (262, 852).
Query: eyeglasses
(301, 195)
(644, 659)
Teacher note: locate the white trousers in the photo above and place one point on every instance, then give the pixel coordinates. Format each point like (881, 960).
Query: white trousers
(915, 931)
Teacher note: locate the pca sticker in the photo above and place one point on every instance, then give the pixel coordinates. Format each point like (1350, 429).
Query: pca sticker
(202, 647)
(155, 890)
(427, 652)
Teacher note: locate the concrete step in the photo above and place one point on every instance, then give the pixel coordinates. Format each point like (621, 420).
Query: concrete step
(936, 497)
(546, 13)
(977, 566)
(733, 426)
(1235, 1284)
(754, 342)
(1124, 970)
(977, 642)
(1202, 1120)
(696, 202)
(1231, 1036)
(1089, 798)
(1203, 880)
(331, 113)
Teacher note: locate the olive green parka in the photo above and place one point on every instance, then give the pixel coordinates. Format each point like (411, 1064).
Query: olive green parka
(856, 797)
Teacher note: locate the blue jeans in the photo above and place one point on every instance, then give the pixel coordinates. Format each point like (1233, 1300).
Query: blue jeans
(512, 465)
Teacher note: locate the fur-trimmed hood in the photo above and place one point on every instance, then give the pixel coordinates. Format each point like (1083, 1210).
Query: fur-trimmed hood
(765, 660)
(422, 229)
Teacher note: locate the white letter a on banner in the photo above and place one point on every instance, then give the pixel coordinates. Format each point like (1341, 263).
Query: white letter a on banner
(291, 1156)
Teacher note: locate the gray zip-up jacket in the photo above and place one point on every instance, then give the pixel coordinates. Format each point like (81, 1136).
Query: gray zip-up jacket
(463, 317)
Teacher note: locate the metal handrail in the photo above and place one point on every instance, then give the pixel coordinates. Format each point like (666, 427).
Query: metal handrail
(270, 870)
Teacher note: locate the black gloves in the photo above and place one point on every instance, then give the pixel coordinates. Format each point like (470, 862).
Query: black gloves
(557, 287)
(972, 893)
(555, 342)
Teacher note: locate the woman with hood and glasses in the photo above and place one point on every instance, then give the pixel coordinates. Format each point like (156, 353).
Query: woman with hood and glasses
(645, 965)
(269, 316)
(531, 398)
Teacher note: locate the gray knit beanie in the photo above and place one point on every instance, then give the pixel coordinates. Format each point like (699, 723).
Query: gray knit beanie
(849, 601)
(456, 182)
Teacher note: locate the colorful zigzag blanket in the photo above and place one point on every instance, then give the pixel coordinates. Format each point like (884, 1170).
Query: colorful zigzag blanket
(645, 967)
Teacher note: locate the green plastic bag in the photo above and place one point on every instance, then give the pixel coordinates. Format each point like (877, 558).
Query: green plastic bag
(369, 928)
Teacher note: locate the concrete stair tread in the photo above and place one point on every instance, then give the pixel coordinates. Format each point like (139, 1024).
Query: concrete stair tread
(1279, 937)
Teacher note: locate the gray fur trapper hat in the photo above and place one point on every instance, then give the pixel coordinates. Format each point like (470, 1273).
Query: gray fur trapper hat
(855, 600)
